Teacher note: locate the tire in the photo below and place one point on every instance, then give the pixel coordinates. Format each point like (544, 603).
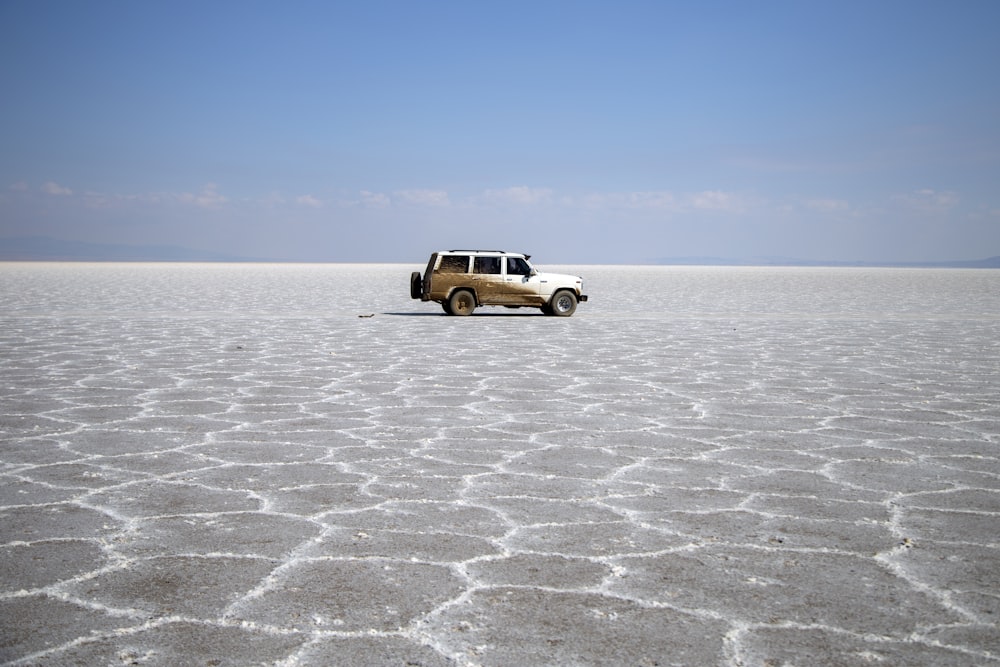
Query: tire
(416, 285)
(462, 302)
(446, 307)
(563, 303)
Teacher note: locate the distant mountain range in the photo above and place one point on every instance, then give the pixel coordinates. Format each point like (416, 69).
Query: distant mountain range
(45, 249)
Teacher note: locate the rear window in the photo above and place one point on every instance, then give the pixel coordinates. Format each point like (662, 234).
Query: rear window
(454, 264)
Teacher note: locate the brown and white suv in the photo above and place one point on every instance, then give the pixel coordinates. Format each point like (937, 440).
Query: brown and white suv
(460, 280)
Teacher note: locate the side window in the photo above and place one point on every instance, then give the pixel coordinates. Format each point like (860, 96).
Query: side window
(486, 265)
(517, 267)
(454, 264)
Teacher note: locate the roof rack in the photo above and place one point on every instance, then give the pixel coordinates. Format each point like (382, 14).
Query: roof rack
(465, 250)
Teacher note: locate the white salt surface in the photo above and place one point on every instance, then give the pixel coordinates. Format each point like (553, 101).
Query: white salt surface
(225, 465)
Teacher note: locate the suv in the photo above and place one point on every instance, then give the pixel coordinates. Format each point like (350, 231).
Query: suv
(460, 280)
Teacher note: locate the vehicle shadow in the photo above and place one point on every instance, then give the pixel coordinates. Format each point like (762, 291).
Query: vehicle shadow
(475, 314)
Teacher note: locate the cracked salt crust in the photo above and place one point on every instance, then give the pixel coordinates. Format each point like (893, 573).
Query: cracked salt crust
(703, 468)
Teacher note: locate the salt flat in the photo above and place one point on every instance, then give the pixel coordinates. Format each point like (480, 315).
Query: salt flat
(225, 465)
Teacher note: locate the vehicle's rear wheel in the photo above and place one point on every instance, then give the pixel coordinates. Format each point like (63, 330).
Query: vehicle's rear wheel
(563, 304)
(446, 307)
(462, 302)
(416, 285)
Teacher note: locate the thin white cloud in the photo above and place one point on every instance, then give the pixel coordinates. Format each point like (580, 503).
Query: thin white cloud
(655, 200)
(99, 199)
(51, 188)
(716, 200)
(209, 197)
(272, 200)
(596, 201)
(423, 197)
(20, 186)
(309, 200)
(927, 200)
(374, 199)
(939, 198)
(828, 205)
(520, 194)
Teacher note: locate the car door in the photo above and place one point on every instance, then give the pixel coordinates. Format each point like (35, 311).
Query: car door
(487, 278)
(521, 284)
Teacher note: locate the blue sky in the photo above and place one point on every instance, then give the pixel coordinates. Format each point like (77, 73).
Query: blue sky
(577, 131)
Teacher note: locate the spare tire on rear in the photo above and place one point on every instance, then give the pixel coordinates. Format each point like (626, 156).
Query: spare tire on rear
(416, 285)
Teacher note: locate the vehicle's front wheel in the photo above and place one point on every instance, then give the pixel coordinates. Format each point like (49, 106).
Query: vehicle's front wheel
(462, 302)
(563, 304)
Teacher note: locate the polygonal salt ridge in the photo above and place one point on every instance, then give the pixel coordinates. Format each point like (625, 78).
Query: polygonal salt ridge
(41, 566)
(175, 640)
(250, 534)
(159, 497)
(743, 571)
(551, 572)
(185, 585)
(985, 500)
(751, 643)
(80, 476)
(371, 594)
(71, 519)
(566, 625)
(901, 562)
(605, 539)
(961, 573)
(262, 477)
(17, 492)
(911, 476)
(460, 518)
(783, 533)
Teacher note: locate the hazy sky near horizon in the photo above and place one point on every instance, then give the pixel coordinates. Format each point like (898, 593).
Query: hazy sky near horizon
(576, 131)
